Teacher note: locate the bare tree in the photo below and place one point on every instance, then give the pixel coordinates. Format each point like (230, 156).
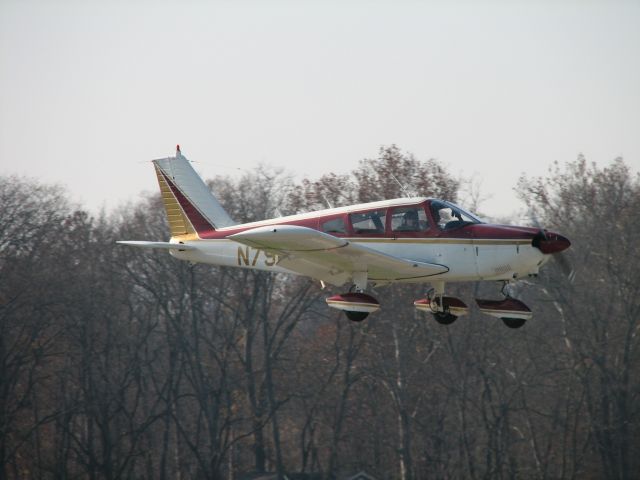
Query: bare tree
(598, 209)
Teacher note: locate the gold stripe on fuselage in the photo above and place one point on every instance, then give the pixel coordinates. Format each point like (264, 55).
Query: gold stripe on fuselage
(450, 241)
(458, 241)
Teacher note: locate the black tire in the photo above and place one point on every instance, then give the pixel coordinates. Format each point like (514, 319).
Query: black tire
(356, 316)
(513, 322)
(444, 318)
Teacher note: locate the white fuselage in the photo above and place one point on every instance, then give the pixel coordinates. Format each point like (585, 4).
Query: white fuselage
(467, 259)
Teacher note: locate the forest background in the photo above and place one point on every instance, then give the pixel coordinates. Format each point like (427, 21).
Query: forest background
(117, 363)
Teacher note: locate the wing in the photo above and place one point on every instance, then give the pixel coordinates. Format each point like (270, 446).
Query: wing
(332, 259)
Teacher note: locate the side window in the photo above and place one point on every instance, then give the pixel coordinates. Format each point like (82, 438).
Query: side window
(447, 217)
(334, 226)
(409, 219)
(368, 222)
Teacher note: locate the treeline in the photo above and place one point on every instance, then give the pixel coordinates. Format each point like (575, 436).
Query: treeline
(121, 363)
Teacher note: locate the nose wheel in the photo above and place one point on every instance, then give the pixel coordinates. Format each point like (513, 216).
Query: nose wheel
(513, 313)
(514, 322)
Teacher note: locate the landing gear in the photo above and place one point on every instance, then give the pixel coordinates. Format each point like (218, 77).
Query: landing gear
(512, 312)
(445, 310)
(356, 316)
(356, 305)
(444, 318)
(513, 322)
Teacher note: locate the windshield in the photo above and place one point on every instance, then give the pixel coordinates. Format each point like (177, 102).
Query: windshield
(449, 215)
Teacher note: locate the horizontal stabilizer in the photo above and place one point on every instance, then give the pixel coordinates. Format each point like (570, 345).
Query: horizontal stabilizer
(160, 245)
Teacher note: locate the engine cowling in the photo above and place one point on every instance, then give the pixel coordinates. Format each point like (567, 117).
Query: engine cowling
(550, 242)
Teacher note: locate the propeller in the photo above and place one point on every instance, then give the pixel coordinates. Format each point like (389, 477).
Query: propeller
(554, 244)
(565, 266)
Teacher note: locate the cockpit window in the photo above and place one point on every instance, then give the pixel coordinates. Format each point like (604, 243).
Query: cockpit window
(334, 226)
(409, 219)
(448, 215)
(368, 222)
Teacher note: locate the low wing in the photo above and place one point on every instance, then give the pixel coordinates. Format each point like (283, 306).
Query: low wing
(332, 259)
(160, 245)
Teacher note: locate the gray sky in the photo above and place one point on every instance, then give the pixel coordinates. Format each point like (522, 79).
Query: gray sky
(90, 90)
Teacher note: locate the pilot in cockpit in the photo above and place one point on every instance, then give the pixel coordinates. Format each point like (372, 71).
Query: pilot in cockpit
(446, 215)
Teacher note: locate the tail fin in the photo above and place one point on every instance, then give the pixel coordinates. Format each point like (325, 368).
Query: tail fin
(191, 207)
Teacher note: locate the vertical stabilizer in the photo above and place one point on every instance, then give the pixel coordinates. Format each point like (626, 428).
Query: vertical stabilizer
(191, 207)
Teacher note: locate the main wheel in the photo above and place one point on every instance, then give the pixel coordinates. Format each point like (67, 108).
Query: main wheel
(356, 316)
(444, 318)
(513, 322)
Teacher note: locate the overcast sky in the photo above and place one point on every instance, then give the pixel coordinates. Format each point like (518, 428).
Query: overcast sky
(92, 90)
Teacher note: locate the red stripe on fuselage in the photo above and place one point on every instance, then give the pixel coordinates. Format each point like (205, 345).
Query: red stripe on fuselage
(482, 231)
(469, 232)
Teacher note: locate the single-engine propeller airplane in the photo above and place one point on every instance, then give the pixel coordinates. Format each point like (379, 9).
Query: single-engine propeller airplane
(406, 240)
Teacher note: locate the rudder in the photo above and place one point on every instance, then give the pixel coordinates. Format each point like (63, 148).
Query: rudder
(190, 206)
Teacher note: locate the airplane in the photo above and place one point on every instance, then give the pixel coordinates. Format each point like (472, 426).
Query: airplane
(404, 240)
